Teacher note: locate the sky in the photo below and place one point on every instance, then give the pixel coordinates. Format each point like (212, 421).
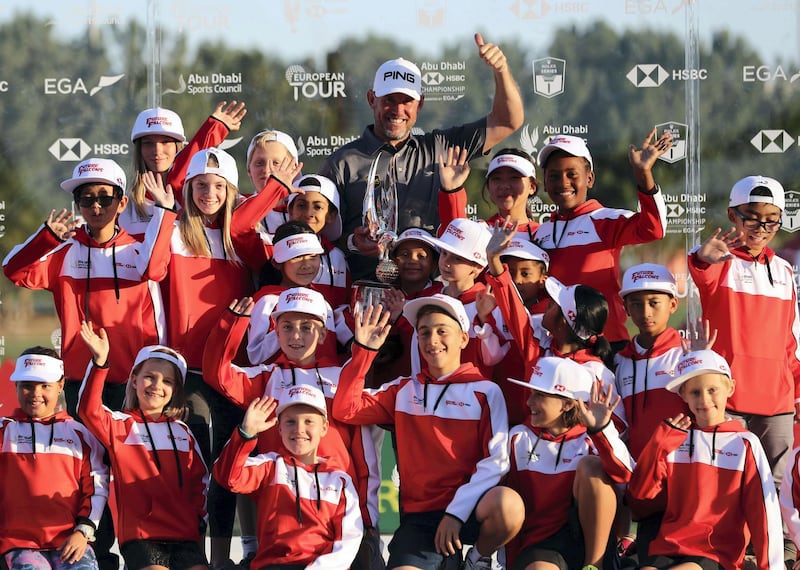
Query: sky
(303, 28)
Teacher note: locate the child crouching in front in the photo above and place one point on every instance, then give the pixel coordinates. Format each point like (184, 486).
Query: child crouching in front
(565, 461)
(308, 508)
(160, 479)
(708, 525)
(55, 483)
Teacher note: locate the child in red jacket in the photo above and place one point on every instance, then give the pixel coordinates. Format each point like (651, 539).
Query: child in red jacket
(719, 489)
(55, 483)
(160, 478)
(308, 507)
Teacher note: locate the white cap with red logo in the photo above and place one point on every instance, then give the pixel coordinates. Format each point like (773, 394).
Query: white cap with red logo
(95, 170)
(304, 395)
(696, 363)
(301, 300)
(560, 377)
(648, 277)
(158, 121)
(465, 238)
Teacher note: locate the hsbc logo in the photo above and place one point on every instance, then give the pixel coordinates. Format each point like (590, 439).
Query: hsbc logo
(647, 75)
(653, 75)
(73, 150)
(70, 149)
(432, 78)
(772, 141)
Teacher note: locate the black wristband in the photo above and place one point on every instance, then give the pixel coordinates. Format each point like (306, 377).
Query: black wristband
(652, 192)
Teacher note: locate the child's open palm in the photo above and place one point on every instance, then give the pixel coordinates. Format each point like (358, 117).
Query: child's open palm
(62, 224)
(163, 196)
(97, 342)
(502, 233)
(717, 248)
(645, 157)
(454, 168)
(230, 114)
(372, 327)
(597, 412)
(286, 172)
(260, 416)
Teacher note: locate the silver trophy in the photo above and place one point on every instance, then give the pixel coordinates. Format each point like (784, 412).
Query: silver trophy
(380, 217)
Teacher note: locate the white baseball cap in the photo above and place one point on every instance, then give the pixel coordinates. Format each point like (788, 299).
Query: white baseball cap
(301, 300)
(417, 234)
(227, 165)
(164, 353)
(526, 249)
(561, 377)
(302, 395)
(518, 163)
(398, 76)
(37, 368)
(648, 277)
(295, 246)
(158, 121)
(572, 145)
(465, 238)
(451, 305)
(564, 296)
(741, 193)
(270, 135)
(696, 363)
(326, 187)
(97, 170)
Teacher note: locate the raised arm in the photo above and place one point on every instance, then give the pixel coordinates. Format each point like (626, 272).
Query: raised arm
(507, 112)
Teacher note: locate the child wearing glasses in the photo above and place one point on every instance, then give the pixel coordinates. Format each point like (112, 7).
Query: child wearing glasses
(742, 284)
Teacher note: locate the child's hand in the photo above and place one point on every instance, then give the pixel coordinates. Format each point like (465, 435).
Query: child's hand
(502, 233)
(681, 421)
(706, 344)
(717, 248)
(73, 548)
(243, 307)
(597, 412)
(485, 303)
(287, 171)
(162, 196)
(372, 327)
(394, 301)
(97, 343)
(454, 169)
(447, 539)
(644, 158)
(257, 417)
(62, 224)
(231, 115)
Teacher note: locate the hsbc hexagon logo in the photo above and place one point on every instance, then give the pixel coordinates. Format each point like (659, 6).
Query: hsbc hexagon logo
(647, 75)
(70, 149)
(432, 78)
(772, 141)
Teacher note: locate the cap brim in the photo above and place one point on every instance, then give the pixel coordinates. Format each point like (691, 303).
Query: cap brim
(410, 92)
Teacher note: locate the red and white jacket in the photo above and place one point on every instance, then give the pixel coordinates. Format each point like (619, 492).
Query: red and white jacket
(719, 494)
(197, 289)
(160, 480)
(486, 346)
(255, 248)
(308, 514)
(543, 472)
(453, 204)
(585, 244)
(455, 426)
(103, 283)
(738, 295)
(789, 496)
(533, 342)
(211, 133)
(641, 377)
(53, 473)
(349, 447)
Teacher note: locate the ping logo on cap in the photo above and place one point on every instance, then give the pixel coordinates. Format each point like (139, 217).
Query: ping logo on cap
(396, 74)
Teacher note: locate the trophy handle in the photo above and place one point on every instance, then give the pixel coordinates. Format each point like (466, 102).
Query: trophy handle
(369, 210)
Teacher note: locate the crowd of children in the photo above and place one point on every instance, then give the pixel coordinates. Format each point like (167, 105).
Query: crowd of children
(211, 350)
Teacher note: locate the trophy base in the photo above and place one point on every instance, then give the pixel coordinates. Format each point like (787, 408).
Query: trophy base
(367, 293)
